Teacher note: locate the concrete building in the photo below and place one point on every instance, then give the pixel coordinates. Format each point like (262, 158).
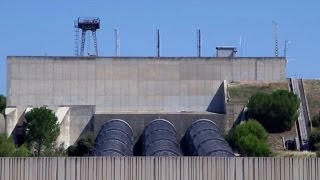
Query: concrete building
(225, 51)
(80, 89)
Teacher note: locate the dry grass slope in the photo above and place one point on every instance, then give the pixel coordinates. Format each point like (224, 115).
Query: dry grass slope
(240, 92)
(312, 88)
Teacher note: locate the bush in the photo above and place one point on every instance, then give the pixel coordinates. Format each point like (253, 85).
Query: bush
(8, 149)
(314, 139)
(245, 129)
(277, 112)
(251, 145)
(83, 147)
(22, 151)
(249, 139)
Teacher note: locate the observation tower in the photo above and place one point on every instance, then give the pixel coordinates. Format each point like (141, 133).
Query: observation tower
(86, 24)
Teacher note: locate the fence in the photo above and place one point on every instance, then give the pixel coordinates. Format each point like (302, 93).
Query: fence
(159, 168)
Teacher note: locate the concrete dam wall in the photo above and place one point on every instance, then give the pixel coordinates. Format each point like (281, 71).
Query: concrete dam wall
(85, 92)
(132, 84)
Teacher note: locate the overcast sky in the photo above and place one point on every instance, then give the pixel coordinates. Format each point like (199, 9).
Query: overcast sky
(46, 28)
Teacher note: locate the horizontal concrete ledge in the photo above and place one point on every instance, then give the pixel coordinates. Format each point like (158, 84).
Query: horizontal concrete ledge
(149, 112)
(143, 57)
(10, 110)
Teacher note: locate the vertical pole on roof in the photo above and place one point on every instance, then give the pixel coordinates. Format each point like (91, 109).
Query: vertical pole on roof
(199, 42)
(158, 43)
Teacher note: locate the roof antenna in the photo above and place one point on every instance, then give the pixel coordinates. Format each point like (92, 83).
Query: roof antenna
(240, 46)
(276, 33)
(117, 43)
(286, 45)
(199, 42)
(158, 43)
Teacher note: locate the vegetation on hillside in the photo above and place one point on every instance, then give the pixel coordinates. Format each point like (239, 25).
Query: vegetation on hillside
(249, 139)
(8, 148)
(277, 111)
(41, 130)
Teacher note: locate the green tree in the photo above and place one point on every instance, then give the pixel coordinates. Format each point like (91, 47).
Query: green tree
(277, 112)
(8, 149)
(249, 139)
(3, 103)
(83, 147)
(41, 130)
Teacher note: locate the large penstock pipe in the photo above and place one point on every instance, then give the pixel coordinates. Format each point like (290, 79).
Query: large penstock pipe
(160, 139)
(115, 138)
(203, 138)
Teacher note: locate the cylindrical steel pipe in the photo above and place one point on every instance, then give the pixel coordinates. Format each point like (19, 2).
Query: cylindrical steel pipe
(115, 138)
(160, 139)
(203, 138)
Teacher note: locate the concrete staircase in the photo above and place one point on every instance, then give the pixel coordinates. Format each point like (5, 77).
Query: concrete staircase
(303, 116)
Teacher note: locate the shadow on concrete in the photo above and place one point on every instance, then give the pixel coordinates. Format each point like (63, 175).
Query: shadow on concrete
(239, 119)
(137, 148)
(217, 103)
(88, 128)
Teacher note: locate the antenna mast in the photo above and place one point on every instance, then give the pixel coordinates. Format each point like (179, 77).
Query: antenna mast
(117, 42)
(240, 44)
(286, 45)
(276, 33)
(76, 39)
(158, 43)
(199, 42)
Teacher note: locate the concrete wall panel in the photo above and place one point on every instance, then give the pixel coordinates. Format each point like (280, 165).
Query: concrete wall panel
(159, 84)
(244, 70)
(226, 69)
(252, 70)
(260, 70)
(268, 69)
(236, 70)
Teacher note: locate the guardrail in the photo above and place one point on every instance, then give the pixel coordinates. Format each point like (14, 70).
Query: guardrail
(301, 117)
